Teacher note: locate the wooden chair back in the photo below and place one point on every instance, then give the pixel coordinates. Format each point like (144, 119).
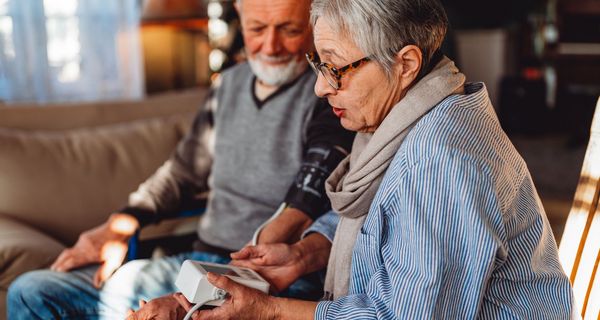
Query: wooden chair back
(580, 244)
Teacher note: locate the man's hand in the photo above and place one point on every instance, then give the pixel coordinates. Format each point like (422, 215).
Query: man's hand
(163, 308)
(286, 228)
(242, 303)
(281, 264)
(105, 244)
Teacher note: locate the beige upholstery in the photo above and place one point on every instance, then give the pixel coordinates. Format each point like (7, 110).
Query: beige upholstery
(580, 244)
(22, 249)
(64, 182)
(65, 168)
(85, 115)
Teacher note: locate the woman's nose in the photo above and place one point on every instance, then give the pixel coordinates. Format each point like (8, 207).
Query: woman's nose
(322, 87)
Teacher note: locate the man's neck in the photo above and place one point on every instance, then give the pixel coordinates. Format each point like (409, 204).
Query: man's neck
(263, 91)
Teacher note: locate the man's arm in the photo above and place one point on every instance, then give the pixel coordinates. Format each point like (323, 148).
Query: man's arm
(327, 144)
(183, 176)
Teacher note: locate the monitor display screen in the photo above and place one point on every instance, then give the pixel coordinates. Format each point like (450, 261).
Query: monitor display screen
(220, 270)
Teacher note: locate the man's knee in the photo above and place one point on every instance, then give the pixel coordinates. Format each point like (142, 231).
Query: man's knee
(142, 279)
(26, 285)
(26, 293)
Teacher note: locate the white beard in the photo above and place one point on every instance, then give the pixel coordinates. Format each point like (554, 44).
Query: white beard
(276, 75)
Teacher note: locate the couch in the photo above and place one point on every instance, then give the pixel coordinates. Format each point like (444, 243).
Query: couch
(65, 168)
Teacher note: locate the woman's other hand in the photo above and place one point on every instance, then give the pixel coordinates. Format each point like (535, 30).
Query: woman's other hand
(280, 264)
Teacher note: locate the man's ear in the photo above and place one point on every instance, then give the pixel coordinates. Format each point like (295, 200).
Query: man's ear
(410, 61)
(238, 8)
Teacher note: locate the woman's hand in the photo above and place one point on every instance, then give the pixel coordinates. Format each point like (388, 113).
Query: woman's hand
(280, 264)
(163, 308)
(242, 302)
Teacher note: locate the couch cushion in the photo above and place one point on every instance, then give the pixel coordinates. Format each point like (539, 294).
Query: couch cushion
(91, 114)
(64, 182)
(23, 249)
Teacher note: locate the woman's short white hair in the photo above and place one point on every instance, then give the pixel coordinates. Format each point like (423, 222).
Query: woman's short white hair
(380, 28)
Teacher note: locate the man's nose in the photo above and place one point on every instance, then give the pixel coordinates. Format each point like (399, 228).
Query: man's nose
(272, 44)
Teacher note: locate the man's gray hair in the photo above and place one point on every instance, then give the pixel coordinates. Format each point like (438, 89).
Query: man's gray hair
(380, 28)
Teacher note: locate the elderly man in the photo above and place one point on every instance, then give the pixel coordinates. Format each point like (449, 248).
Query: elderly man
(263, 138)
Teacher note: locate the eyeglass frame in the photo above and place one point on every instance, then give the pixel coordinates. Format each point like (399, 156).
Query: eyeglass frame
(338, 73)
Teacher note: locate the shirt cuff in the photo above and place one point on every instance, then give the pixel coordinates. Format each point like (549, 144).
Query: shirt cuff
(322, 309)
(325, 225)
(143, 216)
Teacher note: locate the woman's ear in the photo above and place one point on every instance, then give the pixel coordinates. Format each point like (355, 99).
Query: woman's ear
(410, 61)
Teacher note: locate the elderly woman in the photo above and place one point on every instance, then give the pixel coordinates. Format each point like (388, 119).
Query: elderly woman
(439, 215)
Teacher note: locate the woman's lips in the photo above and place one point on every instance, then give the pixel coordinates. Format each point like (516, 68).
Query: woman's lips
(338, 112)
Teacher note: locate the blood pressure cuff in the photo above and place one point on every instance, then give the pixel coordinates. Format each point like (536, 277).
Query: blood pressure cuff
(307, 193)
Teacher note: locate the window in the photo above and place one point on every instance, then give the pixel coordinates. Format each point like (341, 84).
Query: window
(63, 45)
(7, 48)
(69, 50)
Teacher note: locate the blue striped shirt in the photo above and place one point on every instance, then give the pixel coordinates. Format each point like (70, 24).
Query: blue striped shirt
(456, 230)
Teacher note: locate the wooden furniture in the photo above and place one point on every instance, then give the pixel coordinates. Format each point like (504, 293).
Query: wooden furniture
(580, 245)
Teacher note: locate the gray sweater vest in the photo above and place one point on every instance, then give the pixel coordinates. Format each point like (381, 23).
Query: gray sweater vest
(257, 153)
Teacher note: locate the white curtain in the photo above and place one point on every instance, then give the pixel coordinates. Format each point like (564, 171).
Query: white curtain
(70, 50)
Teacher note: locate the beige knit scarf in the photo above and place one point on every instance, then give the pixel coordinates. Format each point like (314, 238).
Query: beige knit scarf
(353, 184)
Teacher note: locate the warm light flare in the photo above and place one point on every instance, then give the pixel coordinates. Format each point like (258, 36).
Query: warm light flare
(113, 253)
(125, 225)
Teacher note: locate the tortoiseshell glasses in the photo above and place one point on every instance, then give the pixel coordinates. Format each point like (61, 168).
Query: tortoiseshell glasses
(332, 74)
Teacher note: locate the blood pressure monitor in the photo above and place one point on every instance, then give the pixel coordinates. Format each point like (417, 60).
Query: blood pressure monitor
(194, 285)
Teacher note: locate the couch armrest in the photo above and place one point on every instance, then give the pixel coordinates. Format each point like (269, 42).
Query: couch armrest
(23, 249)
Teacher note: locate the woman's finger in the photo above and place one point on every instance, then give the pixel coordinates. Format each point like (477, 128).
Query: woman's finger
(182, 301)
(131, 315)
(224, 283)
(245, 264)
(219, 313)
(247, 252)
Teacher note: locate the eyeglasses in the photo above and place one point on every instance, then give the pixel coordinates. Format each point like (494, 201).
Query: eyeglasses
(332, 74)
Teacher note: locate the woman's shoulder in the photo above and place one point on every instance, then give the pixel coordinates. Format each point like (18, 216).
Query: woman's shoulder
(463, 125)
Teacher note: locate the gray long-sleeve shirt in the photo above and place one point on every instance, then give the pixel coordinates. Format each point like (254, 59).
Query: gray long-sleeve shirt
(246, 152)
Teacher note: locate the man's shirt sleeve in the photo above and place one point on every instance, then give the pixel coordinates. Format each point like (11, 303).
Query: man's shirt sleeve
(183, 176)
(441, 239)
